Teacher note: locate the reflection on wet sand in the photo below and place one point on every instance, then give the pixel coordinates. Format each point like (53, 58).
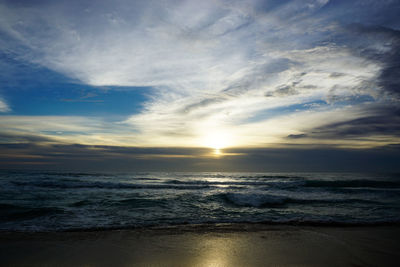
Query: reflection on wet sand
(237, 245)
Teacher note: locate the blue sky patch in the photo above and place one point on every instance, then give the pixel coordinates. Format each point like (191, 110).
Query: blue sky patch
(36, 90)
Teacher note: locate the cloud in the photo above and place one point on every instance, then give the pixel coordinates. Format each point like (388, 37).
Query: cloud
(63, 130)
(283, 90)
(3, 106)
(380, 45)
(379, 121)
(249, 72)
(389, 55)
(295, 136)
(336, 74)
(12, 138)
(108, 158)
(151, 45)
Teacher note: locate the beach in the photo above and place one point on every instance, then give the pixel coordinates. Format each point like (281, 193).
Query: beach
(200, 133)
(206, 245)
(199, 219)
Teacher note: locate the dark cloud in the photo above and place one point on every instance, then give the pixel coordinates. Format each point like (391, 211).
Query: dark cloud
(201, 104)
(111, 158)
(85, 157)
(380, 44)
(283, 90)
(383, 12)
(389, 78)
(24, 138)
(311, 158)
(293, 88)
(384, 122)
(296, 136)
(336, 75)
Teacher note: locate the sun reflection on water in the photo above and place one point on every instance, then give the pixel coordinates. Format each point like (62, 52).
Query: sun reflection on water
(217, 152)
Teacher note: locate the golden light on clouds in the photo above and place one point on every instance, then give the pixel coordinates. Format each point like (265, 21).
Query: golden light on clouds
(217, 139)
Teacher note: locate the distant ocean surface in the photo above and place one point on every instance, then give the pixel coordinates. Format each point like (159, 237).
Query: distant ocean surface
(52, 201)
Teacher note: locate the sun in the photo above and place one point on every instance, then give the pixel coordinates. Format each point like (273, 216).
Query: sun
(216, 140)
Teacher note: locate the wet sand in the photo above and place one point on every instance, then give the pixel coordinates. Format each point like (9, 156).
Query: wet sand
(207, 245)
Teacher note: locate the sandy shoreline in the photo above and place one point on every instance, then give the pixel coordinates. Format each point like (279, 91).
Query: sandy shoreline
(207, 245)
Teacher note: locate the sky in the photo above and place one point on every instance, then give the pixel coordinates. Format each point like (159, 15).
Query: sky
(273, 85)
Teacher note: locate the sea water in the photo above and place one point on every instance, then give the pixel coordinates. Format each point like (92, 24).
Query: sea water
(51, 201)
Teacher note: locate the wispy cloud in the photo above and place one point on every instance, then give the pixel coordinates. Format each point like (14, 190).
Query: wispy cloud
(3, 106)
(243, 74)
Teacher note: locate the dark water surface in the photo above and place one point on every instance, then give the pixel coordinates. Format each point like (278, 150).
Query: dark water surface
(49, 201)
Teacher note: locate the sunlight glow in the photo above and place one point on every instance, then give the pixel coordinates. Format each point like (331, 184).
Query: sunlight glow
(217, 140)
(217, 152)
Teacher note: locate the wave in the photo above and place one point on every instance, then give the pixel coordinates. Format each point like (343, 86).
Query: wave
(352, 183)
(105, 185)
(143, 202)
(15, 212)
(276, 184)
(253, 200)
(297, 183)
(69, 200)
(72, 174)
(80, 203)
(265, 200)
(271, 177)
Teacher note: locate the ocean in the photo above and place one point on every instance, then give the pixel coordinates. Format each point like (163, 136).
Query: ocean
(57, 201)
